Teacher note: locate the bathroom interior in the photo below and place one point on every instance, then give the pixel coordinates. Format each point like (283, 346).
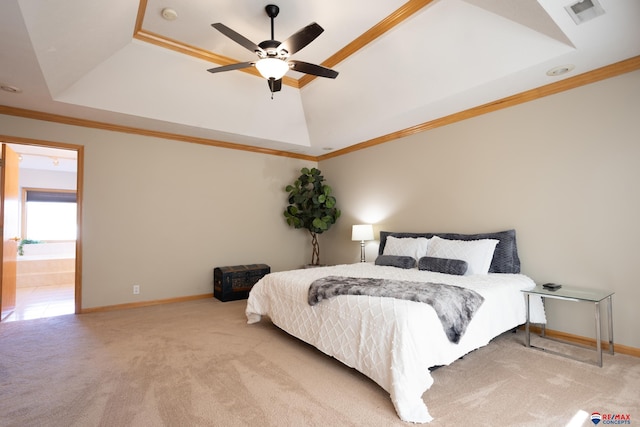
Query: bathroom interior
(45, 268)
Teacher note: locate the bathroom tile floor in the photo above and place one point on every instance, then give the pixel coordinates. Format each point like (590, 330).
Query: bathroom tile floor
(43, 301)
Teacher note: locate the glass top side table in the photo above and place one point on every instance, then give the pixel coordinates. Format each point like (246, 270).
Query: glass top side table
(576, 294)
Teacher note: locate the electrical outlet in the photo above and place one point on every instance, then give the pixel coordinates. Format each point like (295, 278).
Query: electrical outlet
(136, 289)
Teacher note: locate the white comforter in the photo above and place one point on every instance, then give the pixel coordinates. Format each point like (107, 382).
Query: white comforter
(392, 341)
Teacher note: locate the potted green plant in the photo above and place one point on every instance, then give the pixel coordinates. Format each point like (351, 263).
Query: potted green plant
(26, 242)
(312, 207)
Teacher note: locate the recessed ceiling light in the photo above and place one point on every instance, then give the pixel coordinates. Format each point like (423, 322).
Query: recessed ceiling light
(169, 14)
(10, 89)
(562, 69)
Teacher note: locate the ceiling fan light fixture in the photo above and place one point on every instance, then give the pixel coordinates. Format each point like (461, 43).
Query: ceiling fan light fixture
(272, 68)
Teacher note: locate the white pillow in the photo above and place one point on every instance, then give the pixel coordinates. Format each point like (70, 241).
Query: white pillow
(406, 246)
(477, 253)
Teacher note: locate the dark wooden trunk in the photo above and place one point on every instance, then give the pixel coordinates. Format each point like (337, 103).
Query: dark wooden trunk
(235, 282)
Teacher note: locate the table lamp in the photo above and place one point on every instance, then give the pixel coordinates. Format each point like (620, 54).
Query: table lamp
(362, 232)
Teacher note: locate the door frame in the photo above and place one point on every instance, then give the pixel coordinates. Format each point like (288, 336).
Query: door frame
(79, 149)
(10, 221)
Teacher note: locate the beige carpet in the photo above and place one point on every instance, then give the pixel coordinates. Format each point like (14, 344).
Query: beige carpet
(199, 364)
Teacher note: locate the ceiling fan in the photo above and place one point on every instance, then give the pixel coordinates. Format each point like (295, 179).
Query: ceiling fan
(273, 56)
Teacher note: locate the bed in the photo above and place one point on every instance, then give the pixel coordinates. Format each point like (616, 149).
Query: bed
(395, 341)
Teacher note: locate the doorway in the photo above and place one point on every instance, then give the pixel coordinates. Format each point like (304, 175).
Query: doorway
(46, 270)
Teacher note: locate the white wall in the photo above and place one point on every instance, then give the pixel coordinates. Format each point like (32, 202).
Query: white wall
(563, 171)
(162, 214)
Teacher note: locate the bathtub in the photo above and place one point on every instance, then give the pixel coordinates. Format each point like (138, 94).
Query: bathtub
(45, 264)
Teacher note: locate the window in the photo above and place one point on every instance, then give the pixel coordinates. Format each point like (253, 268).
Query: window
(49, 215)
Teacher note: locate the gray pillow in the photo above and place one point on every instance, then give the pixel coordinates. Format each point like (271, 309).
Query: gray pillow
(396, 261)
(443, 265)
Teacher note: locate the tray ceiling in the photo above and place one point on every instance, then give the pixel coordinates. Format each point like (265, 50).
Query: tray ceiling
(401, 63)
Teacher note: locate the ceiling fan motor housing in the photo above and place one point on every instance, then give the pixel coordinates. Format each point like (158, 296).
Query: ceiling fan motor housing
(270, 47)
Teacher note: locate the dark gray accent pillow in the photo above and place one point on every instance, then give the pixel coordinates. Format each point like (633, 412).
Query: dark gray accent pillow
(443, 265)
(396, 261)
(505, 257)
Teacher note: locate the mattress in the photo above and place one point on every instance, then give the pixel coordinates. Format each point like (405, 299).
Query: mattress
(392, 341)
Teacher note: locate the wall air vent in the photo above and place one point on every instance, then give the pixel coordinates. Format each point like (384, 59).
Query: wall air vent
(584, 11)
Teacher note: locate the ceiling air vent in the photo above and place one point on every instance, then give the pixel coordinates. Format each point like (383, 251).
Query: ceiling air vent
(584, 11)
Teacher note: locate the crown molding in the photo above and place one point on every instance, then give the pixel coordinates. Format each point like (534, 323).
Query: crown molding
(603, 73)
(589, 77)
(395, 18)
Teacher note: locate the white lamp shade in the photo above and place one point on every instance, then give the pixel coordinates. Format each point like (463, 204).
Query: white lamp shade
(362, 232)
(272, 68)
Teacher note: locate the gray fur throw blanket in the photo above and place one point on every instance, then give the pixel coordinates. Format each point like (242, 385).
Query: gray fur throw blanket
(454, 305)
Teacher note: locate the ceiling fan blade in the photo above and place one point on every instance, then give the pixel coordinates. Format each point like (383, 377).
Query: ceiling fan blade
(316, 70)
(275, 85)
(230, 67)
(302, 38)
(238, 38)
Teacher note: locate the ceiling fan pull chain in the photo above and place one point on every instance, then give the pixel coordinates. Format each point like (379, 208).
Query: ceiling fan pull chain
(272, 86)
